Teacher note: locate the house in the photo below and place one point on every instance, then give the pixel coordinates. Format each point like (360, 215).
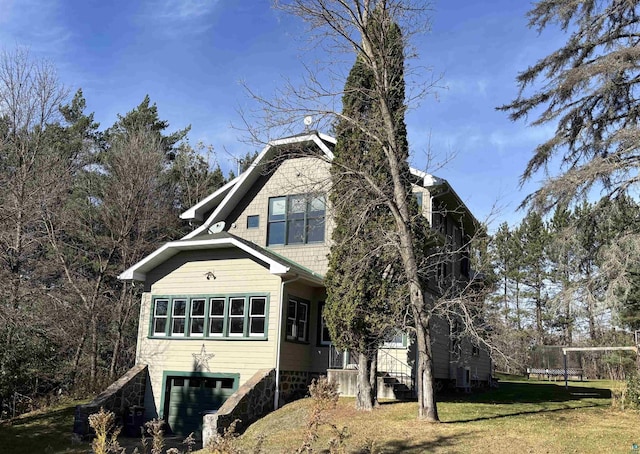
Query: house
(231, 313)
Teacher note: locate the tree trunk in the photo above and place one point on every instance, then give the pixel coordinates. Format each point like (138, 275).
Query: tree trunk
(93, 351)
(123, 310)
(363, 387)
(506, 302)
(373, 379)
(427, 408)
(76, 358)
(519, 320)
(568, 323)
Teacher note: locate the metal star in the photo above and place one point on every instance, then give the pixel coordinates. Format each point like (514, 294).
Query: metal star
(202, 359)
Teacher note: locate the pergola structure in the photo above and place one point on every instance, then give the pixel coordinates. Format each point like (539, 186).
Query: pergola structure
(566, 350)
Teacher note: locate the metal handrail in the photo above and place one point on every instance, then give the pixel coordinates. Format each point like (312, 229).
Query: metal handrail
(387, 363)
(397, 369)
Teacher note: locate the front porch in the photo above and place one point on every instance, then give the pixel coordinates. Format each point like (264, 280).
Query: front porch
(395, 377)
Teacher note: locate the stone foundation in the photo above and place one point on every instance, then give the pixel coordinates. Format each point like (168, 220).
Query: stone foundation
(126, 392)
(249, 403)
(294, 385)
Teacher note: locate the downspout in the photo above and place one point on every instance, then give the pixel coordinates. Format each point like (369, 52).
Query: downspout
(276, 397)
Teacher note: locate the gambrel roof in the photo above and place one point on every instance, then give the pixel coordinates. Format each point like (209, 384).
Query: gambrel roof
(220, 204)
(225, 199)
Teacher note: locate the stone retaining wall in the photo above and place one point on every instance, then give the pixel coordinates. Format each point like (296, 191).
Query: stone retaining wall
(249, 403)
(126, 392)
(294, 385)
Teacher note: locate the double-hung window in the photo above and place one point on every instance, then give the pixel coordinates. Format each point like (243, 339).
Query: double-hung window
(196, 327)
(397, 339)
(298, 320)
(257, 315)
(296, 219)
(234, 316)
(178, 317)
(160, 315)
(216, 316)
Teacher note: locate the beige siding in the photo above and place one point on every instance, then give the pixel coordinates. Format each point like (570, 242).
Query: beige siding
(184, 274)
(440, 347)
(426, 201)
(308, 356)
(293, 176)
(395, 360)
(480, 365)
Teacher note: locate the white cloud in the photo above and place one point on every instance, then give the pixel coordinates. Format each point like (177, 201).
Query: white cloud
(34, 24)
(180, 16)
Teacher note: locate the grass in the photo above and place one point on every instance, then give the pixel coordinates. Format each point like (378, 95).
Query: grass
(520, 416)
(42, 431)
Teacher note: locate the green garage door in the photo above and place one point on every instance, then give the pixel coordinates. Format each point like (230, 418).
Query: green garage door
(188, 397)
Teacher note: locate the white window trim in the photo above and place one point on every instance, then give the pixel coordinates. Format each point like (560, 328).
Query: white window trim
(263, 316)
(175, 317)
(156, 317)
(242, 317)
(295, 335)
(202, 317)
(217, 317)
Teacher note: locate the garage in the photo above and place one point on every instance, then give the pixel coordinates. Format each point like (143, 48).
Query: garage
(188, 396)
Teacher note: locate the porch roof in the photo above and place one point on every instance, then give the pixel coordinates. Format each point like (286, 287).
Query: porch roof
(276, 263)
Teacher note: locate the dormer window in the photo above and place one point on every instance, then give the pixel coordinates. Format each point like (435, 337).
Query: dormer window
(296, 219)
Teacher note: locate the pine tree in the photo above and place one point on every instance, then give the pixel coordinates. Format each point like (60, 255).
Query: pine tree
(535, 240)
(588, 87)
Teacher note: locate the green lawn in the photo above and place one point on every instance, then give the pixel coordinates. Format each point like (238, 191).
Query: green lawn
(47, 431)
(520, 416)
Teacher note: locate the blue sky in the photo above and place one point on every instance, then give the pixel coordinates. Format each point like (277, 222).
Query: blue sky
(190, 56)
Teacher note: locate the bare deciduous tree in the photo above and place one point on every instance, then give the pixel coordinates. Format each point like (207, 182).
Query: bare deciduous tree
(345, 25)
(30, 94)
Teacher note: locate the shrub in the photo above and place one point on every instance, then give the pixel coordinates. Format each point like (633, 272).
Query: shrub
(325, 397)
(106, 440)
(627, 396)
(155, 428)
(225, 443)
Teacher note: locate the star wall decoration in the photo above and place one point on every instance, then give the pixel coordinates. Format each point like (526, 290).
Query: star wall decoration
(201, 360)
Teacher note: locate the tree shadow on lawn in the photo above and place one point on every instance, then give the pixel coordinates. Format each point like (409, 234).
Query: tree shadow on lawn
(409, 446)
(517, 413)
(547, 398)
(544, 397)
(531, 393)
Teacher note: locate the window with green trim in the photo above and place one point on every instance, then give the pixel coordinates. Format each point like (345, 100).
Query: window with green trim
(232, 316)
(160, 316)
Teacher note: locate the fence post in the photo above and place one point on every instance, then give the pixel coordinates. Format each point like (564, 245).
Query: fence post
(566, 377)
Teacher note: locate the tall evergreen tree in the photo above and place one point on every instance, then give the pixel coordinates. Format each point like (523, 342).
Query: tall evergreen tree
(360, 310)
(562, 272)
(535, 246)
